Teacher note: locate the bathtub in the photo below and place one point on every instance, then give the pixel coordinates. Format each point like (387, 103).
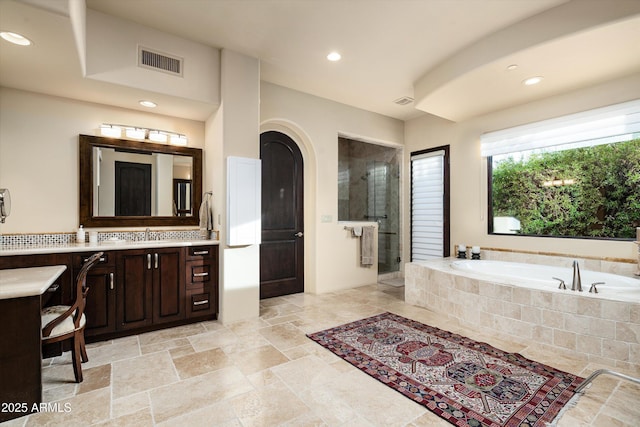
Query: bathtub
(522, 302)
(537, 276)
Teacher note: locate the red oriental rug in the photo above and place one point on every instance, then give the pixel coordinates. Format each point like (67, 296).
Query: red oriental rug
(466, 382)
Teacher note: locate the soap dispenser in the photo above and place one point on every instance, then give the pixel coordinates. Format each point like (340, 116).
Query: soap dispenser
(80, 235)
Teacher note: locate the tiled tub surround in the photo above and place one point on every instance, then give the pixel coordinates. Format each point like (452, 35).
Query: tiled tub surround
(598, 330)
(544, 277)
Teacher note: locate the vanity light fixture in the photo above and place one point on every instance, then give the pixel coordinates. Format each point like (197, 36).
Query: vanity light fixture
(112, 131)
(334, 56)
(177, 139)
(148, 104)
(157, 136)
(15, 38)
(135, 133)
(532, 80)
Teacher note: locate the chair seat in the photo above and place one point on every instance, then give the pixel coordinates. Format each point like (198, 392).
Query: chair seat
(50, 313)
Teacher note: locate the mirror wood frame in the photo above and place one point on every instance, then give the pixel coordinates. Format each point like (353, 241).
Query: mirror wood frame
(85, 200)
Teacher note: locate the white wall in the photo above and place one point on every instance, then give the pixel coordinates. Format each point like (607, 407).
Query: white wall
(234, 131)
(331, 254)
(468, 169)
(39, 154)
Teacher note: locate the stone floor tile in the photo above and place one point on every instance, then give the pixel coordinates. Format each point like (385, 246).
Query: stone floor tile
(142, 373)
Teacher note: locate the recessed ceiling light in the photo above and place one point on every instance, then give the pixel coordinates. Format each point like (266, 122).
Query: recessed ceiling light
(334, 56)
(148, 104)
(512, 67)
(532, 80)
(15, 38)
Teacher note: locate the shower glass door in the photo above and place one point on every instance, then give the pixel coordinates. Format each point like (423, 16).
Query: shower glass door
(368, 190)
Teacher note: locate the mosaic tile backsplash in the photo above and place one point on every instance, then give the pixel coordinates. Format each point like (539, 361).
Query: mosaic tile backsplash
(53, 239)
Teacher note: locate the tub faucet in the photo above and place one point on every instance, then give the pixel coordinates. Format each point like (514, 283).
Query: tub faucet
(576, 284)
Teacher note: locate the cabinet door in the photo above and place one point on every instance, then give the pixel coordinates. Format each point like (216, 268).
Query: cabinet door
(100, 310)
(168, 285)
(134, 289)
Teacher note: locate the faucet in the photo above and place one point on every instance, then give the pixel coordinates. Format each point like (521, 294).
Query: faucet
(146, 234)
(576, 284)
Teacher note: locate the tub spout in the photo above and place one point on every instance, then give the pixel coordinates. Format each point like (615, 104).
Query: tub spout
(576, 284)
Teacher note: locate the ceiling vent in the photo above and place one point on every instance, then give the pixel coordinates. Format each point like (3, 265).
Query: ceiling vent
(404, 100)
(154, 60)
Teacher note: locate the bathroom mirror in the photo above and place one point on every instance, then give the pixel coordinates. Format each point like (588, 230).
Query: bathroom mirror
(133, 183)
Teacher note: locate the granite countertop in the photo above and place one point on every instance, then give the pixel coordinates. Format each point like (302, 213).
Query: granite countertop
(108, 245)
(25, 282)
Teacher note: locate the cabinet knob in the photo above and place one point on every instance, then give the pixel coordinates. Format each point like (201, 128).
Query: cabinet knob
(204, 301)
(201, 252)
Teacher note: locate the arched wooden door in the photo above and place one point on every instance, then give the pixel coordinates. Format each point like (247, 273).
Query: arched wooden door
(282, 247)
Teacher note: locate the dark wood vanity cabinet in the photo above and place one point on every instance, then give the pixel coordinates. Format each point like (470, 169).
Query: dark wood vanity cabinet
(100, 310)
(150, 288)
(201, 281)
(137, 290)
(168, 286)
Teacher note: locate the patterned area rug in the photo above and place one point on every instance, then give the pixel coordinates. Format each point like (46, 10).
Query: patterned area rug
(466, 382)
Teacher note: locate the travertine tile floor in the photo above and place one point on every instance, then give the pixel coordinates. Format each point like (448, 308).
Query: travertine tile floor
(265, 372)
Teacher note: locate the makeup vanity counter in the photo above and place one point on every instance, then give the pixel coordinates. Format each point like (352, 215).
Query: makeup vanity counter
(137, 286)
(23, 292)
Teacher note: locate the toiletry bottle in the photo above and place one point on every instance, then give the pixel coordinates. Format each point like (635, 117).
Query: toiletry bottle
(80, 235)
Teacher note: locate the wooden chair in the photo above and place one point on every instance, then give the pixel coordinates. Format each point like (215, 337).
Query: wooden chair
(63, 322)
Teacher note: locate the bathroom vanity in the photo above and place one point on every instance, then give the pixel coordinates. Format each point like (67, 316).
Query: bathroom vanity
(135, 287)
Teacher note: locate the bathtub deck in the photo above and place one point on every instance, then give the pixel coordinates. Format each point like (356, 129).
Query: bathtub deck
(597, 330)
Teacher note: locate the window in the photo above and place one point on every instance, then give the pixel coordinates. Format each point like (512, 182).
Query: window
(574, 176)
(429, 204)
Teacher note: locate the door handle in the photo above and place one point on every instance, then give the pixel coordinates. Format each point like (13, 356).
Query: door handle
(148, 261)
(299, 234)
(155, 257)
(111, 281)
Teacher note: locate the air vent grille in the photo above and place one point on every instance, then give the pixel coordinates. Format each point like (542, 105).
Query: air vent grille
(404, 100)
(152, 59)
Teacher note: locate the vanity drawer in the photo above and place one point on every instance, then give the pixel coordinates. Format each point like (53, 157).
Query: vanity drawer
(200, 303)
(200, 252)
(198, 273)
(105, 260)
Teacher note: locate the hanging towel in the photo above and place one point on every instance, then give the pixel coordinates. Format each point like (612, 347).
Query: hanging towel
(356, 231)
(206, 216)
(366, 245)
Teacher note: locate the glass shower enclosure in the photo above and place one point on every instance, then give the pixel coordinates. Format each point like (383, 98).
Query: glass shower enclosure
(369, 190)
